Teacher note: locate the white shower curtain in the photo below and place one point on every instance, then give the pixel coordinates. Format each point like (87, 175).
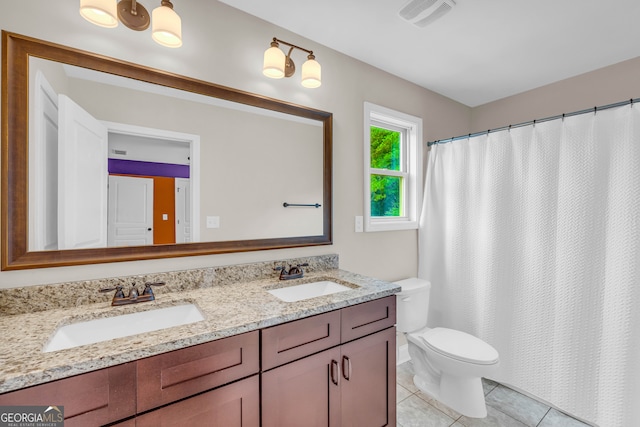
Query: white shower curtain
(531, 239)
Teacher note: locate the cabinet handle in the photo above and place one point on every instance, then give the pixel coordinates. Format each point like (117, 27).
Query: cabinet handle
(346, 372)
(335, 379)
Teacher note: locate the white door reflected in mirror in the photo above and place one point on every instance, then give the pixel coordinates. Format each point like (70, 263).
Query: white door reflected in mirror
(82, 178)
(130, 211)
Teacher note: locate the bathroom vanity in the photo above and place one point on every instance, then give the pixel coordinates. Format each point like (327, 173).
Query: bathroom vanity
(358, 353)
(255, 360)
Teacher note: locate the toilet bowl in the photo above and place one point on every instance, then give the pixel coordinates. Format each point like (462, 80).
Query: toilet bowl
(448, 364)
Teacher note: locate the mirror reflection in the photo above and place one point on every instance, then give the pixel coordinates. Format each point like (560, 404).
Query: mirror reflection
(115, 161)
(105, 161)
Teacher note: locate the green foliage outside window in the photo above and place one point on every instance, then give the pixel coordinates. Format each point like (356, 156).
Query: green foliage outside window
(385, 190)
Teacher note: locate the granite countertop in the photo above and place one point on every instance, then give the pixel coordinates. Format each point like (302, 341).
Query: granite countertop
(228, 310)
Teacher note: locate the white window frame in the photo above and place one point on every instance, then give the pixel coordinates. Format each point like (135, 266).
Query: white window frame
(411, 156)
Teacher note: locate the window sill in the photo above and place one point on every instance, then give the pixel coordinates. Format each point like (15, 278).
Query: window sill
(391, 225)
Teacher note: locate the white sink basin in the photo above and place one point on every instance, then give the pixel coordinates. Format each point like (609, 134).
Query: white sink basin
(108, 328)
(308, 290)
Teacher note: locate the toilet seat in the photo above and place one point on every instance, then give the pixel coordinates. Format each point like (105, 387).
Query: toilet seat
(458, 345)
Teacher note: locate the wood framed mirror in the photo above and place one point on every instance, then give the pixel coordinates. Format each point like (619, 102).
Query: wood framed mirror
(239, 178)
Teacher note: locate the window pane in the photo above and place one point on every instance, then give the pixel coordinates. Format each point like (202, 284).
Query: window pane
(386, 192)
(385, 149)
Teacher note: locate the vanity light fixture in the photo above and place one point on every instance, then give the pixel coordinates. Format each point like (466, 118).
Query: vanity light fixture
(166, 28)
(276, 65)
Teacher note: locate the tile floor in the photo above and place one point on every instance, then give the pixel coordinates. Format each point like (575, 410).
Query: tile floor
(505, 407)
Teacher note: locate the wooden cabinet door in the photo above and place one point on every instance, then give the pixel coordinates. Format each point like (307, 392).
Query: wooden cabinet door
(303, 393)
(91, 399)
(368, 384)
(234, 405)
(131, 422)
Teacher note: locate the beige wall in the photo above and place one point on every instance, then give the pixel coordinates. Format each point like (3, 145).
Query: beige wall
(605, 86)
(225, 46)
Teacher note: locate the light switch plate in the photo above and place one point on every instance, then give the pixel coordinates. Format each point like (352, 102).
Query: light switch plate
(213, 222)
(359, 224)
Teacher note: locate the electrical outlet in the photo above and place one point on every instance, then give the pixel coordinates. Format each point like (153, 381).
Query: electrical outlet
(359, 224)
(213, 222)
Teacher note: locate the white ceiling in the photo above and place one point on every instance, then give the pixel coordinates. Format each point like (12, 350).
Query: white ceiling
(481, 51)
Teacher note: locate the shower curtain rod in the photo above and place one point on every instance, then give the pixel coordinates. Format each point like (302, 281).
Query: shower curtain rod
(533, 122)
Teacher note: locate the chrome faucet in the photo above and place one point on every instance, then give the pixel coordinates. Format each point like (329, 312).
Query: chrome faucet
(294, 272)
(134, 297)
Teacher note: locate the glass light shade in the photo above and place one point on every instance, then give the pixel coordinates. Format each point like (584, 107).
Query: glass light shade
(166, 27)
(311, 74)
(103, 13)
(273, 65)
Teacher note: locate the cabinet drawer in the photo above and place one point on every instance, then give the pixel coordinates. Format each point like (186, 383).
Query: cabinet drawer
(91, 399)
(294, 340)
(234, 405)
(367, 318)
(168, 377)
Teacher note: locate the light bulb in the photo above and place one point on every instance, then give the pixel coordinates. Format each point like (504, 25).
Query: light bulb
(166, 26)
(273, 65)
(311, 73)
(103, 13)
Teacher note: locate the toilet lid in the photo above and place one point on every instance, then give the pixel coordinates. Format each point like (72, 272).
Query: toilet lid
(460, 345)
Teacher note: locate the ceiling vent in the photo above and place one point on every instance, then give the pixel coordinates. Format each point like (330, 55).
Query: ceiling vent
(423, 12)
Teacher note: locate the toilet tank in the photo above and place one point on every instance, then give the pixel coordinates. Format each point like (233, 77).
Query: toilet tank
(412, 304)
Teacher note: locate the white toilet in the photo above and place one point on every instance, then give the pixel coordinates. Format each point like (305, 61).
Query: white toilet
(448, 364)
